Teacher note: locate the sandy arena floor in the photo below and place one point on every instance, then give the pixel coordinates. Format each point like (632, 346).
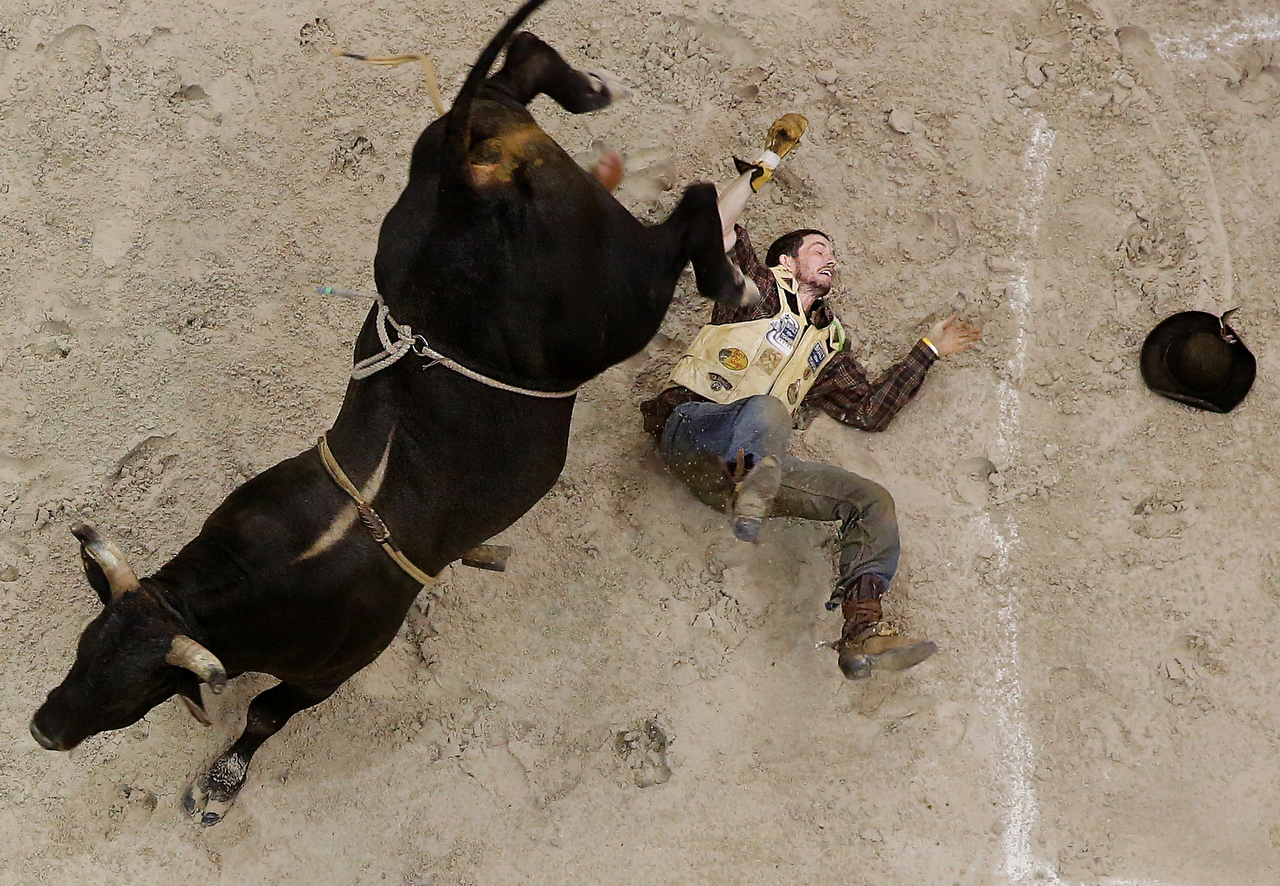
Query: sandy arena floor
(638, 699)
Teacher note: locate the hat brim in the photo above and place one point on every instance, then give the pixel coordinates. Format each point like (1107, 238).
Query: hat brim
(1155, 367)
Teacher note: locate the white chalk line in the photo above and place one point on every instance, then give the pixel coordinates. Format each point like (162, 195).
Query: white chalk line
(1016, 764)
(1232, 34)
(1017, 759)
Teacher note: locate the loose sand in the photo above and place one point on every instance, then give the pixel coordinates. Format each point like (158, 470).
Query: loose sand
(638, 699)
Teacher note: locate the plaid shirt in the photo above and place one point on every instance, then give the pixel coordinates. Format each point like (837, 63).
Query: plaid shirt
(842, 390)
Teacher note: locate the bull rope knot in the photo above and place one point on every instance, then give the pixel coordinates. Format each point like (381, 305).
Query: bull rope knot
(374, 523)
(407, 341)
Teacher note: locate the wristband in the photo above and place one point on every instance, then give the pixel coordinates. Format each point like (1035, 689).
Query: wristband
(769, 160)
(931, 346)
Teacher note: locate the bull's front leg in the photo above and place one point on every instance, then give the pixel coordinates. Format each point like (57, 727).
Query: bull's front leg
(208, 798)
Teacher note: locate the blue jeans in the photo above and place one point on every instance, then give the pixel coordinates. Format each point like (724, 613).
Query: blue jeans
(700, 439)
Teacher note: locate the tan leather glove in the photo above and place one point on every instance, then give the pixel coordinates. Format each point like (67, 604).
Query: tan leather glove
(784, 135)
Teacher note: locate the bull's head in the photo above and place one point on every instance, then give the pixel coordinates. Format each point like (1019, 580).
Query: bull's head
(130, 658)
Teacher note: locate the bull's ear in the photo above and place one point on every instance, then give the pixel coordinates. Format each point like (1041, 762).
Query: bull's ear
(189, 695)
(97, 578)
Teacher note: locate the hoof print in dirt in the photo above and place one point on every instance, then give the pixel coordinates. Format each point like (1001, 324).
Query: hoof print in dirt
(317, 36)
(149, 455)
(130, 805)
(972, 478)
(1182, 668)
(643, 749)
(346, 157)
(53, 341)
(192, 92)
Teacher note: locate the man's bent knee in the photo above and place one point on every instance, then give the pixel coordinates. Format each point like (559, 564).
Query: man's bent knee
(880, 506)
(766, 409)
(865, 502)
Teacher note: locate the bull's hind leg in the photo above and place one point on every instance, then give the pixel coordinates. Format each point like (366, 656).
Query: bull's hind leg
(532, 68)
(208, 798)
(696, 224)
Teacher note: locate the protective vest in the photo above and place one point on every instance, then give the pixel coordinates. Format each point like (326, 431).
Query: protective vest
(779, 355)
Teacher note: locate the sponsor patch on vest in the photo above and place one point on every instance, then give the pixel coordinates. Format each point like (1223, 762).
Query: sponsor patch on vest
(816, 356)
(793, 392)
(719, 382)
(783, 332)
(769, 360)
(732, 358)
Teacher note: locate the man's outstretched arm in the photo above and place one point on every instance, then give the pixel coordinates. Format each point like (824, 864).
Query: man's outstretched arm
(844, 392)
(783, 136)
(732, 202)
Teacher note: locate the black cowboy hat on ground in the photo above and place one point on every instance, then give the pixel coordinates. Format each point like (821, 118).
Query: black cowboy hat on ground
(1197, 359)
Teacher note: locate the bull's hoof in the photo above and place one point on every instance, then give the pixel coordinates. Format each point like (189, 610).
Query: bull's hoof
(743, 292)
(608, 171)
(200, 806)
(609, 87)
(210, 796)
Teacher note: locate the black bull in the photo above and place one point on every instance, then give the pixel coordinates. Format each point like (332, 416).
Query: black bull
(510, 260)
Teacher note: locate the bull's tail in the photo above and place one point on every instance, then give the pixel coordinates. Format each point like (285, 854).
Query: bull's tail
(457, 132)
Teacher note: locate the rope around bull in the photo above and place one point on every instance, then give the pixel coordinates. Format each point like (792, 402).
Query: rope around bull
(407, 341)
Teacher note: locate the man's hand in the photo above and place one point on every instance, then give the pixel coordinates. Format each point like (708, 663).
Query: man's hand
(784, 135)
(953, 335)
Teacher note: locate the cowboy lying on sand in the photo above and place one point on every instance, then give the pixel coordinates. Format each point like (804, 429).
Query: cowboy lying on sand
(723, 425)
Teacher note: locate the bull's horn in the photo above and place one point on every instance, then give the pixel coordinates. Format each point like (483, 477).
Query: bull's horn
(187, 653)
(120, 575)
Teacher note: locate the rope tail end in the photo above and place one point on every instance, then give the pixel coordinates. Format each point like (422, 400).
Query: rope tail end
(428, 70)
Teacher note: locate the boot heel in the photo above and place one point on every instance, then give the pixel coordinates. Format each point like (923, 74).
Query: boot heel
(853, 665)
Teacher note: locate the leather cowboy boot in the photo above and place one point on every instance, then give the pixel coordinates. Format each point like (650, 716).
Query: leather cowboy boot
(754, 496)
(867, 643)
(784, 134)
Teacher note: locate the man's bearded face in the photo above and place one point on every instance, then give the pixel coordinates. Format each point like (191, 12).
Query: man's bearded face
(815, 263)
